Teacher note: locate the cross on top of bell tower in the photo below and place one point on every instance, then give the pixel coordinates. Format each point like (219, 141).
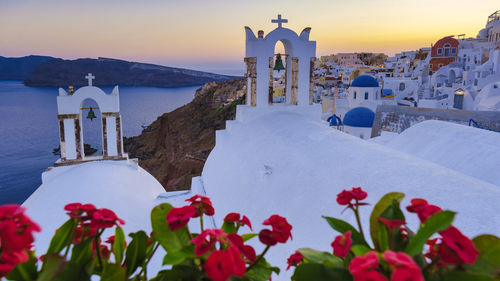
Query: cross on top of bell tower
(90, 77)
(279, 21)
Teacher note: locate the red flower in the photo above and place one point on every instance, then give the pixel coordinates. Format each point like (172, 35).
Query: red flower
(267, 238)
(404, 267)
(202, 204)
(89, 231)
(179, 217)
(247, 251)
(104, 218)
(399, 259)
(457, 248)
(218, 267)
(294, 259)
(80, 211)
(363, 264)
(202, 245)
(407, 274)
(16, 229)
(221, 264)
(10, 260)
(392, 224)
(371, 275)
(105, 252)
(344, 197)
(235, 218)
(280, 227)
(422, 208)
(342, 244)
(358, 193)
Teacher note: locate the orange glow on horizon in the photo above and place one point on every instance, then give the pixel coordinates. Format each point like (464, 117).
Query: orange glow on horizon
(208, 32)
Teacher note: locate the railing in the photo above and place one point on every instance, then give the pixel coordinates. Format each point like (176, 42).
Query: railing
(473, 123)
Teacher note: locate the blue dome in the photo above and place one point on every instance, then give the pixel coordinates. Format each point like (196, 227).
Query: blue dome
(359, 117)
(365, 81)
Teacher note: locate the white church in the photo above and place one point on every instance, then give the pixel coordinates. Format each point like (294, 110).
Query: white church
(277, 159)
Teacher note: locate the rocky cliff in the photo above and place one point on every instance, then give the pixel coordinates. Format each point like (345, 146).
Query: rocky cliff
(175, 146)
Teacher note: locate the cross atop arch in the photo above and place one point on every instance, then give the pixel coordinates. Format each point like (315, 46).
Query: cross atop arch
(90, 77)
(279, 21)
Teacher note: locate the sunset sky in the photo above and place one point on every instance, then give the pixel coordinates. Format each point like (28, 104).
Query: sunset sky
(209, 34)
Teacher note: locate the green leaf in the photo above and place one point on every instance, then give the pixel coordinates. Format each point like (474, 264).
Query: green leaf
(342, 227)
(119, 245)
(489, 254)
(229, 227)
(53, 265)
(82, 253)
(179, 272)
(113, 272)
(169, 240)
(63, 237)
(319, 272)
(176, 257)
(466, 276)
(326, 258)
(393, 212)
(261, 272)
(25, 271)
(136, 252)
(435, 223)
(360, 250)
(248, 236)
(72, 271)
(380, 207)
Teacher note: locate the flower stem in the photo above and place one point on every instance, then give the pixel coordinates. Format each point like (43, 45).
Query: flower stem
(145, 265)
(356, 213)
(98, 249)
(201, 223)
(259, 258)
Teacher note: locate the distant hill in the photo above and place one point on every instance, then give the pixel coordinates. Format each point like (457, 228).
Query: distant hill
(20, 68)
(55, 72)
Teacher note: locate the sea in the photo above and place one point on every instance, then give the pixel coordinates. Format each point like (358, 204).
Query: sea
(29, 130)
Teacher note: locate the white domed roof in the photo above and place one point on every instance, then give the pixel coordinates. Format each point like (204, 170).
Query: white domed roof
(121, 186)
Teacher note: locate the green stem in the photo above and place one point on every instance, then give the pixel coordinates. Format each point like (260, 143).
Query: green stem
(356, 213)
(259, 258)
(98, 249)
(189, 234)
(144, 267)
(201, 223)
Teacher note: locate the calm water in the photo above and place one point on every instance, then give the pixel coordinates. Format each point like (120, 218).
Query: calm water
(29, 128)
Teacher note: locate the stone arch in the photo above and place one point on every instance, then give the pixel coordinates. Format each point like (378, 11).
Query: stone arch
(85, 131)
(70, 124)
(260, 49)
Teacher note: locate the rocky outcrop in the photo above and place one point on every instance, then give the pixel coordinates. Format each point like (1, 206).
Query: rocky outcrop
(175, 146)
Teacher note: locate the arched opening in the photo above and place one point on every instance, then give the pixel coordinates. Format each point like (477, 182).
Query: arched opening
(91, 128)
(278, 81)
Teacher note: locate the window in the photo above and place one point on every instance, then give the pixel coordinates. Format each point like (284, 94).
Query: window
(440, 65)
(366, 95)
(440, 51)
(454, 50)
(430, 66)
(355, 95)
(402, 86)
